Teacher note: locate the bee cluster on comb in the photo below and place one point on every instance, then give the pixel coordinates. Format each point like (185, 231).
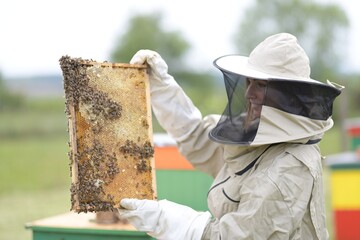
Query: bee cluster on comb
(110, 133)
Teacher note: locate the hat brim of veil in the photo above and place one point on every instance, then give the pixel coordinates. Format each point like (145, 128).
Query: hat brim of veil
(239, 65)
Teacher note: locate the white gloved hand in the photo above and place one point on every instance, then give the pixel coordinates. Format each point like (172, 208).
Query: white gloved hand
(172, 108)
(164, 219)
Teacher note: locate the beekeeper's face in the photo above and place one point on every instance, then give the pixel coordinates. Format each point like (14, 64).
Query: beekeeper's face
(255, 95)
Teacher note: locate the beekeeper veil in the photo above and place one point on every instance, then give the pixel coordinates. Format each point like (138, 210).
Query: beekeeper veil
(271, 97)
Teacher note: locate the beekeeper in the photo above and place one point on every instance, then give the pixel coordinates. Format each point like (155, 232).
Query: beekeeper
(262, 152)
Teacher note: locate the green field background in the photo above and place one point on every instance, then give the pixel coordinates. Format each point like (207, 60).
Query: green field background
(34, 172)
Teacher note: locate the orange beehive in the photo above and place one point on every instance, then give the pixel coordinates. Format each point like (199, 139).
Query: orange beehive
(110, 129)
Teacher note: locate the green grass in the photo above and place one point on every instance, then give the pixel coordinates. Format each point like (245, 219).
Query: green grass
(37, 118)
(33, 145)
(20, 207)
(34, 172)
(34, 182)
(331, 142)
(33, 164)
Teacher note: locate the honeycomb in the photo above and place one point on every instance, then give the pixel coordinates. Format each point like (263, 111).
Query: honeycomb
(110, 133)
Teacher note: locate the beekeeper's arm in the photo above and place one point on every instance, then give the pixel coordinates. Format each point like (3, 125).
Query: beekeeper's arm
(178, 116)
(272, 206)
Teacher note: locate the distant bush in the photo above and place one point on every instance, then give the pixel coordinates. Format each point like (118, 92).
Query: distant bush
(9, 100)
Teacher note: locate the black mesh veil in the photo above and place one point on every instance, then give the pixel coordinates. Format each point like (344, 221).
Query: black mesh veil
(307, 99)
(239, 122)
(235, 125)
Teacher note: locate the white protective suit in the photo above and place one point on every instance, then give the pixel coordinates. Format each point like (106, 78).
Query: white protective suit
(265, 192)
(270, 189)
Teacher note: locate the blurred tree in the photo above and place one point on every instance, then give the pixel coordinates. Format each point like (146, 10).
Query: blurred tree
(147, 32)
(321, 29)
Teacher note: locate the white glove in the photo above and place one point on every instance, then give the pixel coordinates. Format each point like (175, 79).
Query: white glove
(164, 219)
(172, 108)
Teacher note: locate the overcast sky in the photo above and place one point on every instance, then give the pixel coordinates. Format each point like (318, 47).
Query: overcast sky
(36, 33)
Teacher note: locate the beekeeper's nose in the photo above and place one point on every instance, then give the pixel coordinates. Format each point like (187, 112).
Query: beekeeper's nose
(255, 89)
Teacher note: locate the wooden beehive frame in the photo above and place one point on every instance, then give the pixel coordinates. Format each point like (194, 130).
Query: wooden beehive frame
(110, 132)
